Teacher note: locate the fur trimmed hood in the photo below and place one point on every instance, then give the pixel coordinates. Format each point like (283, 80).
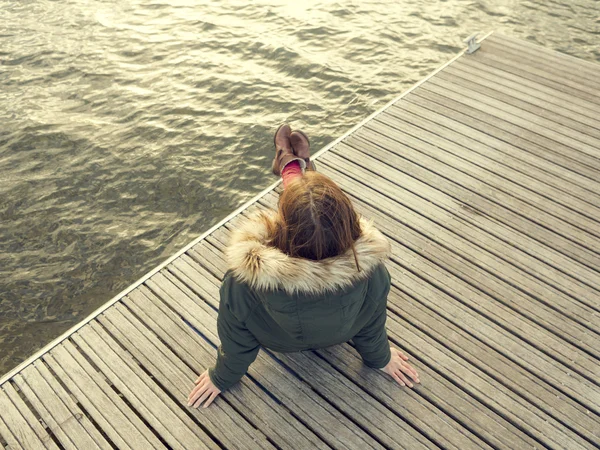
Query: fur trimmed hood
(264, 267)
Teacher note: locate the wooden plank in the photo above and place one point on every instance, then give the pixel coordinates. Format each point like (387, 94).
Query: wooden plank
(546, 60)
(216, 258)
(490, 308)
(536, 93)
(122, 426)
(515, 238)
(378, 132)
(441, 429)
(547, 65)
(567, 122)
(464, 131)
(557, 82)
(174, 374)
(159, 411)
(563, 59)
(402, 434)
(503, 371)
(6, 436)
(441, 185)
(538, 125)
(19, 429)
(567, 158)
(399, 124)
(480, 386)
(484, 357)
(54, 405)
(28, 415)
(552, 141)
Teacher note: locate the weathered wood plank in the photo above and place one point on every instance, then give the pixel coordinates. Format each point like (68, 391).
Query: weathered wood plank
(413, 199)
(468, 132)
(563, 59)
(174, 374)
(55, 406)
(28, 415)
(526, 71)
(161, 413)
(516, 116)
(471, 188)
(541, 195)
(549, 66)
(450, 194)
(522, 139)
(122, 426)
(497, 366)
(549, 139)
(18, 428)
(524, 105)
(547, 60)
(508, 84)
(8, 437)
(480, 386)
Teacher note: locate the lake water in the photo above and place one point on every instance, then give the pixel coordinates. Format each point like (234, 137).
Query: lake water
(128, 127)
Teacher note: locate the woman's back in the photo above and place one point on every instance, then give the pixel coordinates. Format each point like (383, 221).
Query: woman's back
(293, 303)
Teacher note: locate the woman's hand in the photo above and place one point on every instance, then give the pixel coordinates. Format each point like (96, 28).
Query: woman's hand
(204, 390)
(398, 369)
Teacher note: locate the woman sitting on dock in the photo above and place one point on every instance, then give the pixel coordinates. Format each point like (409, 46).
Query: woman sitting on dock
(310, 276)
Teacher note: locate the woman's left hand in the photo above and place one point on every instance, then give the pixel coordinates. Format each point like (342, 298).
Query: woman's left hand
(204, 390)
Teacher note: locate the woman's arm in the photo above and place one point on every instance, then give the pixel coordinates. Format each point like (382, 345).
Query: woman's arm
(237, 351)
(372, 341)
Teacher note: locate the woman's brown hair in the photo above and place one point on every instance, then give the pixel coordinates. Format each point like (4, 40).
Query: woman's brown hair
(316, 219)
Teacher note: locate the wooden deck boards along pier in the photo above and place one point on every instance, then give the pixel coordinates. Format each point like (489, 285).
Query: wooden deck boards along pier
(486, 178)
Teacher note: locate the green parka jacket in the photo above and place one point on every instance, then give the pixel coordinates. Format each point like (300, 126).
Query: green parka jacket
(290, 304)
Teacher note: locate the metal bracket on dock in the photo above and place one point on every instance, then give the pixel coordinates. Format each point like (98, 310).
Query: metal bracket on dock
(471, 41)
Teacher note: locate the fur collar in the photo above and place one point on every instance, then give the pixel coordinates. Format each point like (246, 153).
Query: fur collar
(268, 268)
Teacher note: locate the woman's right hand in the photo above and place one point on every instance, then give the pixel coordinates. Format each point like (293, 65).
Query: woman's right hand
(399, 369)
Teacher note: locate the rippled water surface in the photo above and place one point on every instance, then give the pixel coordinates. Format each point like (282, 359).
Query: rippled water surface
(128, 127)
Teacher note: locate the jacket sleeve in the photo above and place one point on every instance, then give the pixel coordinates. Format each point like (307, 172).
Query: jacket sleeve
(371, 341)
(238, 347)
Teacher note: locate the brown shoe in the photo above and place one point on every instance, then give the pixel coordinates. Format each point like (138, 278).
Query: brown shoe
(301, 146)
(284, 154)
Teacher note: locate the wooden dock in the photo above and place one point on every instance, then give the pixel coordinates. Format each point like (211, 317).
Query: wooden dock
(486, 178)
